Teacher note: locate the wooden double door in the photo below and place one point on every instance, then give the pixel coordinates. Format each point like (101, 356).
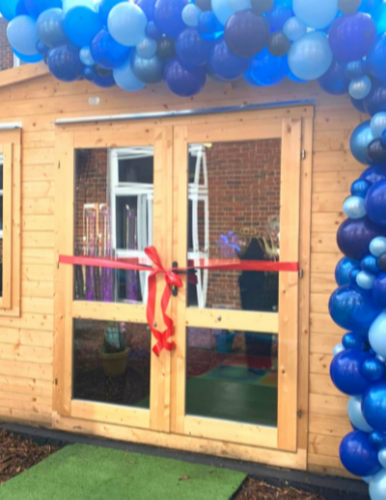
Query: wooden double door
(202, 189)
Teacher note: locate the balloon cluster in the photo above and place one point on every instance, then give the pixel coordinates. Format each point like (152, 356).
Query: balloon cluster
(339, 42)
(358, 368)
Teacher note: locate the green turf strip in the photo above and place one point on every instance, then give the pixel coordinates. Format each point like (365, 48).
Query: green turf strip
(80, 472)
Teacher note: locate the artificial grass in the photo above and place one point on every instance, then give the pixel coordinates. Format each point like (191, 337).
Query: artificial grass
(82, 472)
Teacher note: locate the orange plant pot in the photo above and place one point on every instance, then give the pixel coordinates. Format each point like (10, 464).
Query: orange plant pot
(115, 363)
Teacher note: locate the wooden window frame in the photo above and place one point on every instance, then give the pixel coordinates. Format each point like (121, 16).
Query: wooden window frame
(161, 428)
(10, 150)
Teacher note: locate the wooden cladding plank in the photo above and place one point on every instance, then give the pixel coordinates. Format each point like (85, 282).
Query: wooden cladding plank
(319, 302)
(39, 172)
(324, 343)
(320, 465)
(38, 256)
(38, 371)
(26, 353)
(39, 189)
(37, 272)
(331, 161)
(323, 283)
(42, 322)
(38, 206)
(32, 386)
(323, 385)
(322, 323)
(20, 337)
(104, 311)
(327, 222)
(328, 202)
(37, 305)
(332, 426)
(328, 405)
(37, 289)
(37, 222)
(320, 363)
(42, 156)
(324, 243)
(27, 417)
(114, 414)
(337, 181)
(325, 263)
(320, 444)
(26, 402)
(37, 240)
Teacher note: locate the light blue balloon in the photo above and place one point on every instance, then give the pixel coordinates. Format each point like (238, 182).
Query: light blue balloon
(294, 28)
(28, 59)
(222, 10)
(367, 479)
(379, 17)
(382, 457)
(377, 487)
(365, 280)
(237, 5)
(70, 4)
(378, 124)
(127, 23)
(125, 78)
(311, 56)
(360, 88)
(377, 336)
(354, 207)
(22, 35)
(190, 15)
(86, 57)
(354, 409)
(378, 246)
(146, 48)
(337, 349)
(360, 139)
(8, 8)
(316, 13)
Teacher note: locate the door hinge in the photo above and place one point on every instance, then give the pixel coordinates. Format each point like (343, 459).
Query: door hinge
(300, 413)
(304, 154)
(301, 273)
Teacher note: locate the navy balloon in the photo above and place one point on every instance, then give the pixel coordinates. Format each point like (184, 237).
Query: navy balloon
(374, 406)
(351, 36)
(358, 104)
(373, 369)
(379, 290)
(266, 69)
(191, 49)
(104, 81)
(359, 141)
(42, 49)
(374, 174)
(360, 188)
(376, 100)
(355, 235)
(224, 64)
(64, 63)
(353, 308)
(376, 153)
(355, 69)
(342, 270)
(50, 28)
(246, 34)
(147, 70)
(185, 82)
(105, 7)
(359, 455)
(346, 372)
(335, 81)
(376, 57)
(107, 52)
(168, 16)
(376, 203)
(278, 16)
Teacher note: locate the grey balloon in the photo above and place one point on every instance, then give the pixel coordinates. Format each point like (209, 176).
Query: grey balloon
(349, 6)
(50, 28)
(147, 70)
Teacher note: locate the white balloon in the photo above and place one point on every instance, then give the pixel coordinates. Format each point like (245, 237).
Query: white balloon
(377, 334)
(355, 414)
(316, 13)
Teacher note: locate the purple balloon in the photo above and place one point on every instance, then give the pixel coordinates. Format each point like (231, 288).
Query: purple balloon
(346, 372)
(379, 290)
(168, 16)
(359, 455)
(246, 34)
(183, 81)
(354, 237)
(351, 36)
(226, 65)
(374, 174)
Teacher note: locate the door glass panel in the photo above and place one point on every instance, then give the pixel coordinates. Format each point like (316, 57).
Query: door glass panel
(114, 219)
(232, 376)
(112, 362)
(1, 225)
(234, 213)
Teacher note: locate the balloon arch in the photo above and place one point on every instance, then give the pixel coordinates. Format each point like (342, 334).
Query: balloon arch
(340, 43)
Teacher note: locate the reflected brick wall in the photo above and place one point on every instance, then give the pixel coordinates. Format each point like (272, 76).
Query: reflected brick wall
(6, 54)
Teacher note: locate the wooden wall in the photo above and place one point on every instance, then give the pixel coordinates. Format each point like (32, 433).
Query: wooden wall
(26, 343)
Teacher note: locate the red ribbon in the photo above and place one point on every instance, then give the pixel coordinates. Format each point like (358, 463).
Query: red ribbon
(172, 279)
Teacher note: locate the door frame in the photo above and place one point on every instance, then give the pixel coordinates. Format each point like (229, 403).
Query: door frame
(120, 134)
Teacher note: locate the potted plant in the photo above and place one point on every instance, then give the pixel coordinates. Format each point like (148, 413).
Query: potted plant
(114, 352)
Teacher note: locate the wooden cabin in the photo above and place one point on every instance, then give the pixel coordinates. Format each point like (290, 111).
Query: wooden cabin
(254, 173)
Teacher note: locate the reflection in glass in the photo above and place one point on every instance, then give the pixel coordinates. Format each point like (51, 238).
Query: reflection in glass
(113, 219)
(1, 225)
(112, 362)
(234, 213)
(232, 376)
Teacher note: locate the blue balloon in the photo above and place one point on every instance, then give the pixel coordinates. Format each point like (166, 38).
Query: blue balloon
(22, 35)
(125, 78)
(105, 7)
(376, 203)
(148, 70)
(294, 78)
(207, 22)
(28, 59)
(360, 188)
(365, 280)
(127, 23)
(378, 440)
(36, 7)
(148, 7)
(375, 102)
(376, 57)
(351, 36)
(354, 207)
(224, 64)
(314, 13)
(353, 275)
(342, 270)
(378, 246)
(311, 56)
(355, 415)
(182, 81)
(294, 28)
(374, 406)
(152, 31)
(369, 6)
(373, 369)
(8, 8)
(86, 56)
(266, 69)
(50, 28)
(360, 139)
(191, 14)
(89, 73)
(64, 63)
(108, 53)
(377, 487)
(353, 308)
(383, 138)
(358, 104)
(356, 69)
(191, 49)
(370, 264)
(246, 34)
(104, 81)
(222, 10)
(82, 25)
(358, 455)
(146, 48)
(354, 237)
(334, 81)
(168, 16)
(278, 16)
(42, 49)
(353, 341)
(374, 174)
(379, 16)
(360, 88)
(377, 337)
(346, 372)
